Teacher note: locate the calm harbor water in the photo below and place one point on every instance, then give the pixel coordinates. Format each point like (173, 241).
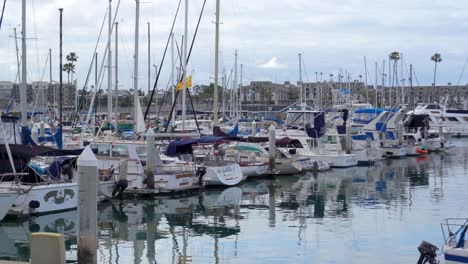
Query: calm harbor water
(357, 215)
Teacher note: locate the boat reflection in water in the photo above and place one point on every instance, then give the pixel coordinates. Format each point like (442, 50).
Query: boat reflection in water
(272, 218)
(15, 236)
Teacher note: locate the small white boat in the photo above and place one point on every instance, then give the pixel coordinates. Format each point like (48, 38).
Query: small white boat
(211, 166)
(456, 243)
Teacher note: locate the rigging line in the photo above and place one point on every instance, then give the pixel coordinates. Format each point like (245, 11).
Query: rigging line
(83, 91)
(188, 58)
(40, 85)
(463, 71)
(35, 37)
(162, 61)
(3, 12)
(190, 52)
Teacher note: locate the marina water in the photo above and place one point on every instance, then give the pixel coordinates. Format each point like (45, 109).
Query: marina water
(378, 214)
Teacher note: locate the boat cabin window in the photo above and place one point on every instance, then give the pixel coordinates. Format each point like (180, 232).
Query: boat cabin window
(312, 143)
(119, 151)
(141, 151)
(329, 139)
(433, 106)
(103, 150)
(451, 118)
(466, 118)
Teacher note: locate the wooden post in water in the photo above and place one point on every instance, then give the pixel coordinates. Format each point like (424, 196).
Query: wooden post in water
(87, 207)
(272, 147)
(349, 140)
(400, 132)
(254, 128)
(150, 158)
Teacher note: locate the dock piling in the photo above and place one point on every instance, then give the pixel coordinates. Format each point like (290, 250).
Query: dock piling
(272, 147)
(87, 207)
(150, 158)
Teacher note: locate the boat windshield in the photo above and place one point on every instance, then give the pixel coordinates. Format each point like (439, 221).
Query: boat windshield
(300, 119)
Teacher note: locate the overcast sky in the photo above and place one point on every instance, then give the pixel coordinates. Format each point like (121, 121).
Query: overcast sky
(333, 35)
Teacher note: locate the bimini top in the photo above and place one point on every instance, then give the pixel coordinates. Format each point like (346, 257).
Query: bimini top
(185, 146)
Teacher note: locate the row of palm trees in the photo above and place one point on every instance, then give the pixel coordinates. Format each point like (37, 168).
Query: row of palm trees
(436, 58)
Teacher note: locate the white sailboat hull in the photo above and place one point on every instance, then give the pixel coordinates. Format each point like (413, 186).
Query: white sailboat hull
(47, 198)
(395, 152)
(284, 167)
(223, 175)
(455, 255)
(7, 198)
(254, 170)
(337, 161)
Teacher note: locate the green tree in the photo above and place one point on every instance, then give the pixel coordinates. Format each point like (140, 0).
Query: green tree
(70, 66)
(436, 58)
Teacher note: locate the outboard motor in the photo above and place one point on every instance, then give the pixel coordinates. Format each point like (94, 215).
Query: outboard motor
(119, 188)
(428, 253)
(201, 171)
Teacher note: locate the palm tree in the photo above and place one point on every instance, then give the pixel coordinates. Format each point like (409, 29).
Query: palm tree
(395, 57)
(436, 58)
(69, 67)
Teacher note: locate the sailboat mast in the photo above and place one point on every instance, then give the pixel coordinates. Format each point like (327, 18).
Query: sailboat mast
(375, 86)
(215, 101)
(172, 71)
(149, 61)
(223, 107)
(50, 78)
(235, 85)
(300, 78)
(135, 65)
(240, 90)
(23, 86)
(116, 69)
(61, 72)
(184, 72)
(109, 65)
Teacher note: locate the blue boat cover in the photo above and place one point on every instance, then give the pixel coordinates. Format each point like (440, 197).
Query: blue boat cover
(185, 146)
(319, 126)
(234, 131)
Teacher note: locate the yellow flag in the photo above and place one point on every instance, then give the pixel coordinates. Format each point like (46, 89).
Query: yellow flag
(181, 84)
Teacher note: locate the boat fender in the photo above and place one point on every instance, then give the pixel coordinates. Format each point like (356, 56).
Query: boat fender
(34, 204)
(119, 187)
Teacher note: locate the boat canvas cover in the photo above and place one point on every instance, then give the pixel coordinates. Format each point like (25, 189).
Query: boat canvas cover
(185, 146)
(319, 126)
(288, 142)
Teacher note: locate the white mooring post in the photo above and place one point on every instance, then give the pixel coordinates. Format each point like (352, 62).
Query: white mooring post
(272, 147)
(400, 132)
(254, 128)
(87, 207)
(41, 129)
(35, 134)
(150, 158)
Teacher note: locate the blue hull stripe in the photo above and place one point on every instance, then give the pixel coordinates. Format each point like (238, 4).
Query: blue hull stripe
(456, 258)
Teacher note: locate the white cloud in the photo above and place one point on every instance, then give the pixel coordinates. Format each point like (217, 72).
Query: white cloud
(272, 64)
